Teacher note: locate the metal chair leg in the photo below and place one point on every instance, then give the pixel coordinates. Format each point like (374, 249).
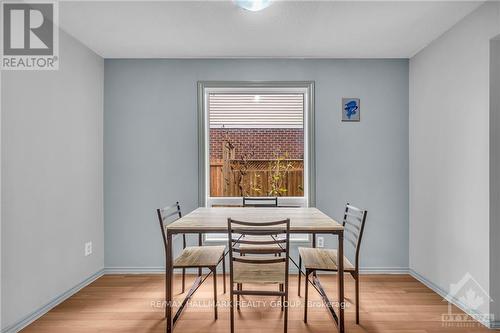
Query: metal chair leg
(300, 273)
(231, 308)
(306, 294)
(224, 273)
(356, 280)
(238, 286)
(166, 292)
(285, 324)
(183, 279)
(214, 275)
(282, 298)
(281, 286)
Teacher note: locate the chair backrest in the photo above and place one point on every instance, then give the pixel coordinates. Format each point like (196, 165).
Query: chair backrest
(168, 215)
(237, 230)
(260, 201)
(354, 226)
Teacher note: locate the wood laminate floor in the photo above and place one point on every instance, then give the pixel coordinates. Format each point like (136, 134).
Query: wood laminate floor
(133, 303)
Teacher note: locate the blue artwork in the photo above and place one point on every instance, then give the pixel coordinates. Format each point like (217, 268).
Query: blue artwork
(350, 109)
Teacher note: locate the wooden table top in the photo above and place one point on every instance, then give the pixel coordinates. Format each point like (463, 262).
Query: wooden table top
(212, 220)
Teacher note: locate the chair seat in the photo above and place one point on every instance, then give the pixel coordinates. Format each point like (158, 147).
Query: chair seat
(262, 247)
(199, 256)
(322, 259)
(258, 273)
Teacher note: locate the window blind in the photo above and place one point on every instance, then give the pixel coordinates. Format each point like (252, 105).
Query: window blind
(256, 110)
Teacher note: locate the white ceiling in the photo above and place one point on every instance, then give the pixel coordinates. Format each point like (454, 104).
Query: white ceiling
(291, 29)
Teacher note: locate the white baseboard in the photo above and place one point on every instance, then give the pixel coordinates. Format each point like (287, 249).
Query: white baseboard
(134, 270)
(454, 301)
(161, 270)
(145, 270)
(384, 270)
(495, 325)
(16, 327)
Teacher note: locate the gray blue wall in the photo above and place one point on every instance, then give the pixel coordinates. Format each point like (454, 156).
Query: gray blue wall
(51, 179)
(150, 148)
(495, 178)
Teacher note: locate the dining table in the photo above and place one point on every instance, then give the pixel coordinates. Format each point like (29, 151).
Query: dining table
(303, 220)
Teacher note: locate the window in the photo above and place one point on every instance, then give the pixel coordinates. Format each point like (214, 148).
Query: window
(256, 139)
(256, 145)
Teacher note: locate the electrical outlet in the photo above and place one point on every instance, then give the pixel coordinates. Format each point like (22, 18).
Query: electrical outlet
(320, 241)
(88, 248)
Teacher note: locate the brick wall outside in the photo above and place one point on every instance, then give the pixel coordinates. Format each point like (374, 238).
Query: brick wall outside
(263, 142)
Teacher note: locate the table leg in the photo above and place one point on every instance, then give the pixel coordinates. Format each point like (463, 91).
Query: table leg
(341, 281)
(168, 283)
(214, 275)
(314, 246)
(200, 243)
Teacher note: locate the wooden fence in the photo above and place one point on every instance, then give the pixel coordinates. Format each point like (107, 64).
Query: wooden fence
(256, 178)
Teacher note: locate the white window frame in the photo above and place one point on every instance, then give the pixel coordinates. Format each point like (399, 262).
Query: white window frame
(206, 88)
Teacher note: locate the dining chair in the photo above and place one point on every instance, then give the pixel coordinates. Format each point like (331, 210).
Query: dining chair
(260, 201)
(257, 202)
(193, 256)
(326, 259)
(263, 269)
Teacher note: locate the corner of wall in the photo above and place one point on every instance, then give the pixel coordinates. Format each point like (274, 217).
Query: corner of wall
(67, 103)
